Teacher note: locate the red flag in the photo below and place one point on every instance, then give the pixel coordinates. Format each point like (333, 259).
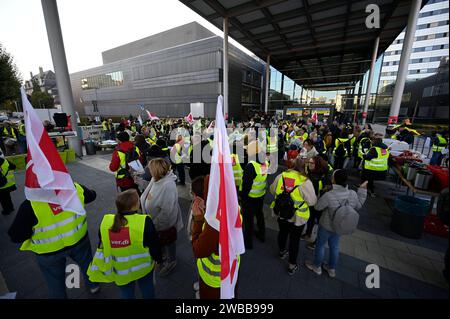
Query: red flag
(222, 209)
(151, 116)
(314, 117)
(46, 177)
(189, 118)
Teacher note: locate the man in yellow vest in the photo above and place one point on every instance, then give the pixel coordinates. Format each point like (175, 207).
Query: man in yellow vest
(22, 138)
(375, 164)
(106, 129)
(7, 185)
(440, 142)
(254, 182)
(55, 235)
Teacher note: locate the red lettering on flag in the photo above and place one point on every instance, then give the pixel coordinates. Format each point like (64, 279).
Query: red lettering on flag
(223, 233)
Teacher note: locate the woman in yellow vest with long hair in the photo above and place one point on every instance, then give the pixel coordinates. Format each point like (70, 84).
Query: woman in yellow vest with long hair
(128, 249)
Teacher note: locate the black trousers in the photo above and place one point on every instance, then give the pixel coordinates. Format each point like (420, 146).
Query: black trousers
(5, 201)
(181, 172)
(251, 208)
(288, 229)
(338, 162)
(314, 216)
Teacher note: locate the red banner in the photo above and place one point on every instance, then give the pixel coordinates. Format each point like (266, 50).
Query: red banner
(392, 120)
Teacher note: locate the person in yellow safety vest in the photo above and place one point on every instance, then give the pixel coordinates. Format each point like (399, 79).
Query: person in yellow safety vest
(254, 181)
(237, 171)
(205, 245)
(440, 142)
(7, 185)
(303, 134)
(177, 159)
(54, 235)
(22, 138)
(106, 129)
(124, 152)
(375, 165)
(340, 151)
(128, 249)
(302, 193)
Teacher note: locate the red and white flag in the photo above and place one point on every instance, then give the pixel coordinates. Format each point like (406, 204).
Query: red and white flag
(222, 209)
(189, 118)
(151, 116)
(46, 178)
(314, 117)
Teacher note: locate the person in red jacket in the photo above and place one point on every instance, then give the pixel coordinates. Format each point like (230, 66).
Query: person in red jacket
(118, 164)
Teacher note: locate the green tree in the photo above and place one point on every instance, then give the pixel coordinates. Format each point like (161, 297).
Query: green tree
(10, 79)
(42, 100)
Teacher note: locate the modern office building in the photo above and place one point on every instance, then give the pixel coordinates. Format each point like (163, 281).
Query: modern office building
(166, 73)
(430, 45)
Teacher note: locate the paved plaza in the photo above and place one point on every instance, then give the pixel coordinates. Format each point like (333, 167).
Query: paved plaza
(408, 268)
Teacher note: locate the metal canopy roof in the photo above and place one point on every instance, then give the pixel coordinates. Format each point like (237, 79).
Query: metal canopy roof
(320, 44)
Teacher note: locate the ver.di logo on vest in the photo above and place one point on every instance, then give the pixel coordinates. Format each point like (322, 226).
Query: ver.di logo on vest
(120, 239)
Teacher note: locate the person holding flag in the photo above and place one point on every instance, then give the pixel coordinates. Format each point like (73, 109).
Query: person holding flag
(51, 222)
(217, 237)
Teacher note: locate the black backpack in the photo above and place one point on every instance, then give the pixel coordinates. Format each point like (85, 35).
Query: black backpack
(284, 204)
(340, 150)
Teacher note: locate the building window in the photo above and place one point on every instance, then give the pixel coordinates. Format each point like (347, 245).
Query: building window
(102, 81)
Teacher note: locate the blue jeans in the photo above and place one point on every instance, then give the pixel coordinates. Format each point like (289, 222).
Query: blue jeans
(145, 284)
(324, 236)
(436, 159)
(53, 267)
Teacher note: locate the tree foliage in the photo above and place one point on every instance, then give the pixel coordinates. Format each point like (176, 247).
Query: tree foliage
(10, 79)
(41, 99)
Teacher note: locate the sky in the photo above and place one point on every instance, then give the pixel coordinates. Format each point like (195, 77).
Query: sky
(89, 27)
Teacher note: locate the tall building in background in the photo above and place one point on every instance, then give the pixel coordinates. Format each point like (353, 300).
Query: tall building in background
(429, 54)
(430, 45)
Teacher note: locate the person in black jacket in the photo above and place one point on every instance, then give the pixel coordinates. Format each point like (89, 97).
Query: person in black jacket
(52, 263)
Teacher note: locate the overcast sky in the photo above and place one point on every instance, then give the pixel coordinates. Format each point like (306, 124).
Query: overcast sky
(88, 26)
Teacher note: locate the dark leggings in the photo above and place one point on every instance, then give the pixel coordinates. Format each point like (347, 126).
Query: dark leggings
(313, 218)
(294, 233)
(251, 208)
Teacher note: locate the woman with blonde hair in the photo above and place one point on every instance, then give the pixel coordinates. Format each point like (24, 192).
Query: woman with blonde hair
(160, 202)
(301, 190)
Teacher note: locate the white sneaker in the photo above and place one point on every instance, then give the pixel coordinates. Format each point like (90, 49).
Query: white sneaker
(196, 286)
(310, 266)
(331, 272)
(95, 289)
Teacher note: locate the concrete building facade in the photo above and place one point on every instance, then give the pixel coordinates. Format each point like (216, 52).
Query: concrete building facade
(167, 72)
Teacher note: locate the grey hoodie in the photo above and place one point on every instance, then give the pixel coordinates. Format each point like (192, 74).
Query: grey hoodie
(163, 205)
(330, 201)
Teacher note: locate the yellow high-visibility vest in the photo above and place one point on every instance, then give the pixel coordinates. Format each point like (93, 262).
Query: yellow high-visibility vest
(122, 257)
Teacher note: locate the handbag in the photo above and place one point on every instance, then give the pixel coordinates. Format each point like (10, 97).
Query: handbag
(167, 236)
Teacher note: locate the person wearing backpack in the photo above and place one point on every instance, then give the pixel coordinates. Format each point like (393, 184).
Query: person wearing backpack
(341, 151)
(125, 152)
(294, 193)
(339, 217)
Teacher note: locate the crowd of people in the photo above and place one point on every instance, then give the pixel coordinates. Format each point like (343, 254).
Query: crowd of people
(140, 238)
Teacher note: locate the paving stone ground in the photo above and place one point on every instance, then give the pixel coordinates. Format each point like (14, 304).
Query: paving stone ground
(408, 268)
